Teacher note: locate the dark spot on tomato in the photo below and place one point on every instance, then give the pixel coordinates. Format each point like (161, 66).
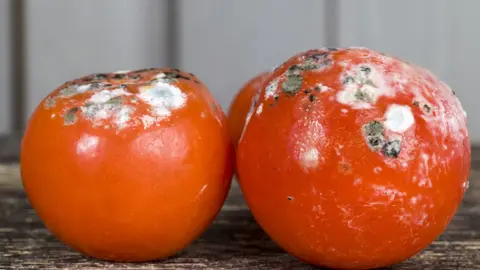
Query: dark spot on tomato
(135, 77)
(348, 80)
(392, 148)
(319, 56)
(426, 108)
(180, 76)
(375, 141)
(344, 168)
(144, 70)
(325, 63)
(312, 98)
(119, 76)
(100, 76)
(416, 103)
(290, 198)
(307, 91)
(365, 70)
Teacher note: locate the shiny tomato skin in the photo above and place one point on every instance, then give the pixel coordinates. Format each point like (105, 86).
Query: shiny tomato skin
(241, 103)
(128, 166)
(352, 158)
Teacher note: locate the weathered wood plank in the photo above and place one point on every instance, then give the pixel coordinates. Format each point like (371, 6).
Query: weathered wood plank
(234, 241)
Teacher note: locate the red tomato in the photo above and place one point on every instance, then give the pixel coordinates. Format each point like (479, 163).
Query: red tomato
(241, 105)
(128, 166)
(354, 159)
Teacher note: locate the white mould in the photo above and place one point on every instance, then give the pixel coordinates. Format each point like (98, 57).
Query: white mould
(399, 118)
(163, 98)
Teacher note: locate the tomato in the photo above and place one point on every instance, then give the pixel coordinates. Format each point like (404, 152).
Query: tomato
(128, 166)
(241, 104)
(352, 158)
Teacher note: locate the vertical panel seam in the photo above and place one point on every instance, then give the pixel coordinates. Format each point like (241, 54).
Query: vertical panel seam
(331, 23)
(172, 36)
(17, 65)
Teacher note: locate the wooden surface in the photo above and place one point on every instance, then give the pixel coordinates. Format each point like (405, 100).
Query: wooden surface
(234, 241)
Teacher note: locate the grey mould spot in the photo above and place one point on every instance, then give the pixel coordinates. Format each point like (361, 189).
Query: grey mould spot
(316, 61)
(68, 91)
(374, 128)
(292, 84)
(374, 135)
(71, 116)
(50, 102)
(294, 74)
(362, 95)
(370, 82)
(90, 110)
(294, 69)
(115, 101)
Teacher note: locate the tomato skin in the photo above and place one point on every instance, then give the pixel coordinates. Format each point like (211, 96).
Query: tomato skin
(128, 190)
(241, 104)
(355, 160)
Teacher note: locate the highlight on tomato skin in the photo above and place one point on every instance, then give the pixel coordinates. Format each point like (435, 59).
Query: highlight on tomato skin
(130, 165)
(352, 158)
(241, 103)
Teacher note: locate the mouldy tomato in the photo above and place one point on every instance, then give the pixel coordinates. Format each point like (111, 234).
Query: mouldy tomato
(128, 166)
(241, 104)
(357, 159)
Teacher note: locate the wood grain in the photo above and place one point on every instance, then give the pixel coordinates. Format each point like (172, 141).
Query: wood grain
(234, 241)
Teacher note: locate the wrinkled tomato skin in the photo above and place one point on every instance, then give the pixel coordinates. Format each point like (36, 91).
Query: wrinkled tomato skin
(356, 159)
(241, 103)
(132, 170)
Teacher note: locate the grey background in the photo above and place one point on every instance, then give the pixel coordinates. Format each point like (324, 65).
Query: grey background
(227, 42)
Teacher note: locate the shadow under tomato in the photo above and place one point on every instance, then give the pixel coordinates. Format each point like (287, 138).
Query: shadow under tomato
(234, 240)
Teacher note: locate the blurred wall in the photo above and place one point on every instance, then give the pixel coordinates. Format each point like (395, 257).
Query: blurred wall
(68, 39)
(227, 42)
